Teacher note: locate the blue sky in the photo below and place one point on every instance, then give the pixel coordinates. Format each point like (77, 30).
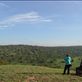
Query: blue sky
(44, 23)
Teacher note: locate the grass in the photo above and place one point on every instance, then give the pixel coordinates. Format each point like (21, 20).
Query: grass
(28, 73)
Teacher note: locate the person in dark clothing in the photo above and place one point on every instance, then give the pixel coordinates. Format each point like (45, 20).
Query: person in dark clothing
(81, 63)
(79, 69)
(67, 60)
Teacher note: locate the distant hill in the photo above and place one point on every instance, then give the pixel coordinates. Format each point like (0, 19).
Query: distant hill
(36, 55)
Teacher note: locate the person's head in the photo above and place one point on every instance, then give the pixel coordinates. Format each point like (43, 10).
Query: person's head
(67, 55)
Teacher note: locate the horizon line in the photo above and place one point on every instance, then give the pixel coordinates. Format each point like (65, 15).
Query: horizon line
(39, 45)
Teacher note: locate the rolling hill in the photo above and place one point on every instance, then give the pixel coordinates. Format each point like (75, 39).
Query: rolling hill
(38, 55)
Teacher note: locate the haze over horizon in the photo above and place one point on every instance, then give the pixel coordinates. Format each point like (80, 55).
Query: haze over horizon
(43, 23)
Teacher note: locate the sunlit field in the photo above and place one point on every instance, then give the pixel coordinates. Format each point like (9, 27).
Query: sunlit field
(28, 73)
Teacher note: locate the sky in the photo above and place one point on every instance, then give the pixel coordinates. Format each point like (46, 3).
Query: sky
(43, 23)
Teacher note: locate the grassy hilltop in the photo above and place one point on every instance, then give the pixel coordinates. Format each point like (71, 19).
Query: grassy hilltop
(23, 63)
(28, 73)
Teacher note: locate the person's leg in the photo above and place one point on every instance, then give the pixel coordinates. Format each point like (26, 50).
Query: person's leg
(77, 70)
(65, 68)
(68, 69)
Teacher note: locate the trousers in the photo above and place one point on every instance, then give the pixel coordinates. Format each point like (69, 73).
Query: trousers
(67, 68)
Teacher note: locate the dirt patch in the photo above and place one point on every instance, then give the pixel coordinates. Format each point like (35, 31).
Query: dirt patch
(31, 79)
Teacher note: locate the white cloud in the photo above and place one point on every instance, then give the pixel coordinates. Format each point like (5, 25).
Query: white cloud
(23, 18)
(4, 5)
(47, 20)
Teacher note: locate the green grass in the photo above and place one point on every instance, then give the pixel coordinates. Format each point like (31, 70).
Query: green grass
(21, 73)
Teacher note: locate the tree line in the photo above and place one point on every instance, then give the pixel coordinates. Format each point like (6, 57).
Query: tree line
(36, 55)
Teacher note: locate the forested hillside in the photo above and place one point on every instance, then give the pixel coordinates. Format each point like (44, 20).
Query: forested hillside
(36, 55)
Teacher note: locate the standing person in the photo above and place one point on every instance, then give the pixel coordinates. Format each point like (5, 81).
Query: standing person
(79, 69)
(81, 64)
(67, 60)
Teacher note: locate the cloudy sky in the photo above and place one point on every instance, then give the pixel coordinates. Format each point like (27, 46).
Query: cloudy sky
(44, 23)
